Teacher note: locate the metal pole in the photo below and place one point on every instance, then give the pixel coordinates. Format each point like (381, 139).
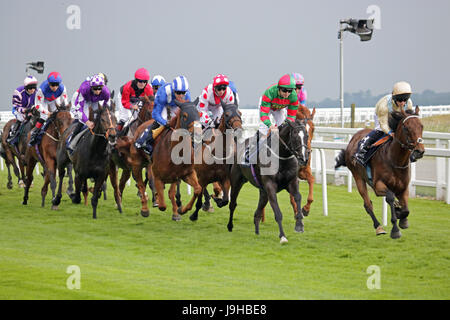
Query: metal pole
(341, 71)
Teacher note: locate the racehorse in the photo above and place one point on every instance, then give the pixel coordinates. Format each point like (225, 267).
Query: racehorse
(163, 166)
(121, 152)
(292, 142)
(91, 157)
(10, 153)
(214, 167)
(388, 170)
(45, 152)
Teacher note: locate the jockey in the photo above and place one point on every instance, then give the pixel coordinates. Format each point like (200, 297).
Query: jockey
(91, 94)
(130, 92)
(157, 82)
(275, 100)
(210, 97)
(73, 110)
(51, 92)
(23, 101)
(299, 88)
(398, 100)
(164, 100)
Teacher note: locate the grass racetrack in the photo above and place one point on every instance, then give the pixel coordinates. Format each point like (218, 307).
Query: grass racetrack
(130, 257)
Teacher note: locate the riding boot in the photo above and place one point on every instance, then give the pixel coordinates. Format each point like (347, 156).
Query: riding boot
(69, 145)
(14, 133)
(36, 132)
(364, 145)
(147, 138)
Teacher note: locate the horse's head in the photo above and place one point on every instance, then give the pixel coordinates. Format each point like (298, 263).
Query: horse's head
(408, 131)
(63, 117)
(303, 114)
(294, 138)
(146, 107)
(231, 116)
(189, 118)
(105, 122)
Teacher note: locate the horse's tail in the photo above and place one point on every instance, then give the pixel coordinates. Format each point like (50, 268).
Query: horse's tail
(340, 159)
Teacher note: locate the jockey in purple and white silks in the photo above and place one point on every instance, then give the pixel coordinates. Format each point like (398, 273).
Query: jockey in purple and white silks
(22, 101)
(50, 93)
(93, 93)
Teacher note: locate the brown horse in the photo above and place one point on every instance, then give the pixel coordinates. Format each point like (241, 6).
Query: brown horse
(11, 153)
(304, 172)
(214, 168)
(388, 167)
(121, 152)
(45, 152)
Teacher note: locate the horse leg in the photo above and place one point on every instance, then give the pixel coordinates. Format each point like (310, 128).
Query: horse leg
(297, 198)
(263, 199)
(104, 186)
(29, 179)
(69, 190)
(76, 197)
(403, 211)
(159, 185)
(22, 176)
(362, 189)
(113, 179)
(206, 205)
(126, 173)
(272, 195)
(390, 199)
(151, 184)
(306, 174)
(10, 159)
(198, 206)
(137, 174)
(51, 172)
(225, 188)
(9, 185)
(192, 181)
(172, 191)
(85, 191)
(237, 181)
(178, 194)
(99, 182)
(44, 189)
(57, 200)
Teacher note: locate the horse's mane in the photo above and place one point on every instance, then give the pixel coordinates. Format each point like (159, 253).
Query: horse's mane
(395, 117)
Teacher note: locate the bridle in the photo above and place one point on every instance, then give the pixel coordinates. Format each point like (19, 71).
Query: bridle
(111, 127)
(410, 145)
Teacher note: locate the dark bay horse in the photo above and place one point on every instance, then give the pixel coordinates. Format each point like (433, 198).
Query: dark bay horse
(10, 153)
(304, 172)
(91, 158)
(215, 165)
(45, 152)
(389, 167)
(283, 164)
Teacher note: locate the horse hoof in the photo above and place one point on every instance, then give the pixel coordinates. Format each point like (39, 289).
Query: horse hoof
(299, 229)
(396, 234)
(222, 204)
(283, 240)
(193, 217)
(404, 224)
(180, 211)
(145, 213)
(120, 209)
(24, 202)
(176, 217)
(230, 227)
(380, 230)
(54, 207)
(9, 185)
(211, 209)
(21, 184)
(206, 208)
(305, 213)
(162, 208)
(155, 204)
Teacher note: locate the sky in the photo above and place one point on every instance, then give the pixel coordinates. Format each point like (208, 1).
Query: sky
(252, 42)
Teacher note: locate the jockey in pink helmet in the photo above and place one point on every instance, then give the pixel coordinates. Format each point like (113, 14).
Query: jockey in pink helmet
(301, 91)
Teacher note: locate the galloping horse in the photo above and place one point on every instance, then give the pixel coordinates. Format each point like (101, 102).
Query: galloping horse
(388, 168)
(121, 152)
(163, 167)
(291, 155)
(304, 172)
(91, 158)
(10, 153)
(214, 168)
(45, 152)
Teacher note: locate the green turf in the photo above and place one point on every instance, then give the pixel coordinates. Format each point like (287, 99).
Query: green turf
(130, 257)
